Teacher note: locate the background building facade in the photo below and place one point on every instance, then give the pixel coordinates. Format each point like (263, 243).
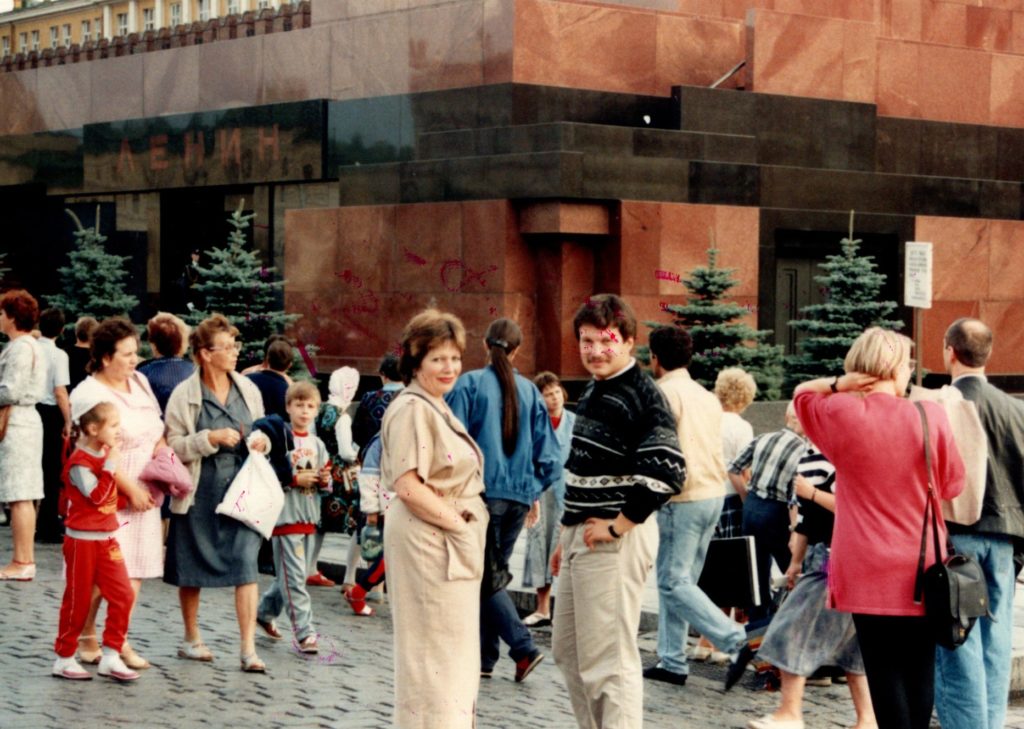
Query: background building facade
(514, 156)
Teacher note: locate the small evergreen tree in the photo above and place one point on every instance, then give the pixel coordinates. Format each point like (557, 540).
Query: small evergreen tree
(719, 340)
(852, 289)
(3, 269)
(93, 282)
(236, 284)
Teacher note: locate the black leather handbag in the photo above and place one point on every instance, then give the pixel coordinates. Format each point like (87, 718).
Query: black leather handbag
(954, 590)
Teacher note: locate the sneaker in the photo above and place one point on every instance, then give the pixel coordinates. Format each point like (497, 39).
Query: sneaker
(525, 666)
(269, 628)
(536, 620)
(309, 645)
(657, 673)
(68, 668)
(738, 666)
(319, 580)
(770, 722)
(113, 667)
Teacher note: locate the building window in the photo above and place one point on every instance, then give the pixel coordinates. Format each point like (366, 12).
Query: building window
(122, 23)
(86, 30)
(261, 4)
(204, 9)
(53, 36)
(175, 14)
(22, 42)
(97, 32)
(35, 40)
(149, 19)
(233, 7)
(67, 35)
(5, 46)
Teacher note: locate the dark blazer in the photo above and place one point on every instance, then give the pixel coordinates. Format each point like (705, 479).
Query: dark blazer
(1002, 417)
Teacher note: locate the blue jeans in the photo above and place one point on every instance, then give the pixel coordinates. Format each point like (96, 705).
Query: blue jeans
(684, 530)
(767, 521)
(972, 683)
(498, 615)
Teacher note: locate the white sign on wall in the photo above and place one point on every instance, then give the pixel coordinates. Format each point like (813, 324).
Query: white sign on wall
(917, 275)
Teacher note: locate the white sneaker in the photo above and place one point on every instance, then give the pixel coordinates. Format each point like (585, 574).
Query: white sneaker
(69, 668)
(112, 666)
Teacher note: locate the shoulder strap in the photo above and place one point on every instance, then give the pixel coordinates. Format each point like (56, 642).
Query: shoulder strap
(928, 506)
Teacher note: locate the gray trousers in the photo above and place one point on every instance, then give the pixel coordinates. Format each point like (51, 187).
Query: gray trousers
(289, 592)
(596, 620)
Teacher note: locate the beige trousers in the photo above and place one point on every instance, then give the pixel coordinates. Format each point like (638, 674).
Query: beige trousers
(596, 620)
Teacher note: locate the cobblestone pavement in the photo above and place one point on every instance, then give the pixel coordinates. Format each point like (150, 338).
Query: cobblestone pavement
(348, 685)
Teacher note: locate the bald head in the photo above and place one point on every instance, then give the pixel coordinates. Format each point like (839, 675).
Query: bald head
(971, 341)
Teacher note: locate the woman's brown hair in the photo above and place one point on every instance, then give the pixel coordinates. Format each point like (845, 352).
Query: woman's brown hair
(503, 338)
(20, 306)
(105, 338)
(168, 334)
(425, 331)
(208, 329)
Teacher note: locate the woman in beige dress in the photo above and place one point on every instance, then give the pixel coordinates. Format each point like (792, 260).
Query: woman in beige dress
(434, 533)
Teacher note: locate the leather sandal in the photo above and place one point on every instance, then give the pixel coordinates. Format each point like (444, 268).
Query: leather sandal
(132, 659)
(85, 655)
(19, 571)
(195, 651)
(253, 664)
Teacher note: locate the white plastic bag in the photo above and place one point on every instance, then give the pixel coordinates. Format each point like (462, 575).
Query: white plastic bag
(255, 497)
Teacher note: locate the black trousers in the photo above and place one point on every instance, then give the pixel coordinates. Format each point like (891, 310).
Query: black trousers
(49, 527)
(899, 659)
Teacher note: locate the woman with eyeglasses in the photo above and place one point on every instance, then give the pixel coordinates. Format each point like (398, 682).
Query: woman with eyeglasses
(209, 416)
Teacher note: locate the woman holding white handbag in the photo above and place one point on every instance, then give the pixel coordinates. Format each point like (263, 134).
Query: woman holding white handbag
(208, 418)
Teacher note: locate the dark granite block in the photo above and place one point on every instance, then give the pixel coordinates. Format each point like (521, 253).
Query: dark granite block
(600, 139)
(369, 185)
(727, 184)
(456, 143)
(815, 133)
(998, 199)
(958, 150)
(369, 131)
(635, 178)
(666, 143)
(539, 104)
(938, 196)
(494, 140)
(1010, 154)
(433, 111)
(898, 145)
(426, 181)
(552, 174)
(716, 110)
(730, 148)
(528, 138)
(801, 188)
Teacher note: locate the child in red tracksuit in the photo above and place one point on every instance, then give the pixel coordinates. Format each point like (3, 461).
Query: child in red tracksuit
(92, 555)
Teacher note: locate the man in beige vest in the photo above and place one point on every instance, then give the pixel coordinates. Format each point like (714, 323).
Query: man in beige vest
(687, 522)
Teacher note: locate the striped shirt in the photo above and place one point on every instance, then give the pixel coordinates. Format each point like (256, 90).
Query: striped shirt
(815, 521)
(773, 459)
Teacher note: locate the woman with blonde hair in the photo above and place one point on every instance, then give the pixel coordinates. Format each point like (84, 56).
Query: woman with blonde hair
(735, 389)
(874, 436)
(434, 533)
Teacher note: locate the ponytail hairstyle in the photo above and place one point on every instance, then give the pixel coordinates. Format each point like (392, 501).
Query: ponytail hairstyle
(503, 338)
(96, 415)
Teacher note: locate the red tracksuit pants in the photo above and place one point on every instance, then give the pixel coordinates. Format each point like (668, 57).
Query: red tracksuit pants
(93, 563)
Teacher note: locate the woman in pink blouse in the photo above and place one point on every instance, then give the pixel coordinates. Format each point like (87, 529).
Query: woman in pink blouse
(865, 426)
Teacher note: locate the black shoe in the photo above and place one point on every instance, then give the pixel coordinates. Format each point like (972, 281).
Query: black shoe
(737, 667)
(657, 673)
(486, 672)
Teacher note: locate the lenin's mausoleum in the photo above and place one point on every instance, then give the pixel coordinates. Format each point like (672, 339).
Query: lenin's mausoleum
(514, 156)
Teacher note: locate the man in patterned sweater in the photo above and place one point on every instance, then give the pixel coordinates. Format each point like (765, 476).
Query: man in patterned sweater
(625, 463)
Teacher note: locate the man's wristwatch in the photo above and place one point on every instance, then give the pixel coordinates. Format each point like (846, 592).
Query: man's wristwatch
(834, 385)
(611, 530)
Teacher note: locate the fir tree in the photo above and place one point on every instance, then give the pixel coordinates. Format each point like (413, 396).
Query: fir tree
(93, 282)
(852, 289)
(3, 269)
(235, 283)
(719, 340)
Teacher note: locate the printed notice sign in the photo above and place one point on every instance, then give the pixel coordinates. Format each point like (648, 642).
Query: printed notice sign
(917, 275)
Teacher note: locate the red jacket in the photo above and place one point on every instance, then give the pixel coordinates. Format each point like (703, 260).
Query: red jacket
(95, 513)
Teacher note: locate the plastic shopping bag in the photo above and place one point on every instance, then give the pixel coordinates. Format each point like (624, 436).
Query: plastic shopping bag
(255, 497)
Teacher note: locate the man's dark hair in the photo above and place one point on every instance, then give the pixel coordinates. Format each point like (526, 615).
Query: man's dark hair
(971, 341)
(389, 368)
(673, 347)
(279, 355)
(606, 311)
(51, 322)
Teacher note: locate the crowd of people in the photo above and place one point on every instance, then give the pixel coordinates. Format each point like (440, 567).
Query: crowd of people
(437, 473)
